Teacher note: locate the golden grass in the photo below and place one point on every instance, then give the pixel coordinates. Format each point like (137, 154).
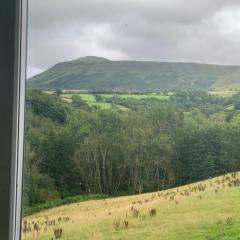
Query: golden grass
(204, 210)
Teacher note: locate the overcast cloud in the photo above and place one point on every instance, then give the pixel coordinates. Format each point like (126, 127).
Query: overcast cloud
(160, 30)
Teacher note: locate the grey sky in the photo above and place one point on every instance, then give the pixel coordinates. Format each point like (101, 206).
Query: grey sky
(161, 30)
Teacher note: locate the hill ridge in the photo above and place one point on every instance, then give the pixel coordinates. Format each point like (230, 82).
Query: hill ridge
(93, 73)
(91, 59)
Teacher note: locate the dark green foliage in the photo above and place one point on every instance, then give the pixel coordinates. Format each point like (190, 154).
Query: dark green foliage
(188, 100)
(47, 106)
(202, 153)
(56, 154)
(58, 92)
(98, 98)
(73, 150)
(236, 101)
(41, 189)
(77, 101)
(134, 104)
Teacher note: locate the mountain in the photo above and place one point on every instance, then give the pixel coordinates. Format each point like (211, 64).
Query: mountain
(100, 74)
(91, 59)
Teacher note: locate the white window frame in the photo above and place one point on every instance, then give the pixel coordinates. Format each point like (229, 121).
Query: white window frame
(13, 28)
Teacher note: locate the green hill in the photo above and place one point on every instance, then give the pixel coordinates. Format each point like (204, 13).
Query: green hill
(100, 74)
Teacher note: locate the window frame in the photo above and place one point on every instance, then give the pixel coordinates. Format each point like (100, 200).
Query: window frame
(13, 18)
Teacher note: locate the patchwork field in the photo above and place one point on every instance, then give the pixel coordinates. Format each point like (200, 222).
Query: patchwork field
(223, 93)
(137, 96)
(205, 210)
(91, 100)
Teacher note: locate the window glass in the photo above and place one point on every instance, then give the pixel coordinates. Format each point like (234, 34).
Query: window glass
(132, 120)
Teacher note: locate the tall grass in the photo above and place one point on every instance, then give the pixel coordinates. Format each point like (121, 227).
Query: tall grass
(59, 202)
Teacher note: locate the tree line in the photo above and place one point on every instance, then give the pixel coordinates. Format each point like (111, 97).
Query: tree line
(73, 149)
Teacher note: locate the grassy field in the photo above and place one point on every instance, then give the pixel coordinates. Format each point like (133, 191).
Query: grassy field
(91, 100)
(223, 93)
(102, 105)
(206, 210)
(137, 96)
(85, 97)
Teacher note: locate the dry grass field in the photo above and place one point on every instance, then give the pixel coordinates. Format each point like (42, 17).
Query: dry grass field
(206, 210)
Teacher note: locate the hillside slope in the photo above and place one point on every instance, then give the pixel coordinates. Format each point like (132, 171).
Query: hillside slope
(100, 74)
(204, 210)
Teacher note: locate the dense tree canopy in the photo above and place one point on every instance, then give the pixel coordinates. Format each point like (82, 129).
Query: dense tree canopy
(73, 149)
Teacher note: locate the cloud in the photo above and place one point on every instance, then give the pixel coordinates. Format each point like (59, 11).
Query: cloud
(162, 30)
(32, 71)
